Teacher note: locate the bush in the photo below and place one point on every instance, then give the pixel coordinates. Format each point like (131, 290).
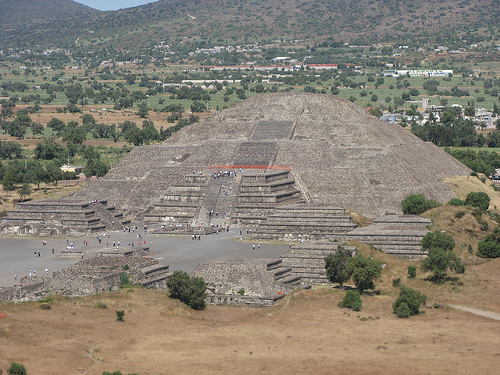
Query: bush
(187, 289)
(415, 204)
(437, 239)
(490, 247)
(352, 300)
(396, 282)
(124, 279)
(455, 202)
(459, 214)
(412, 299)
(119, 315)
(336, 266)
(403, 310)
(479, 200)
(412, 272)
(364, 271)
(16, 369)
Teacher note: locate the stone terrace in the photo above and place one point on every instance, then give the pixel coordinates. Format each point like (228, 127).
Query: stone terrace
(91, 276)
(399, 235)
(61, 217)
(227, 278)
(306, 261)
(304, 222)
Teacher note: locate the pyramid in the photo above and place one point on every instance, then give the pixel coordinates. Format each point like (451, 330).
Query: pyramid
(335, 153)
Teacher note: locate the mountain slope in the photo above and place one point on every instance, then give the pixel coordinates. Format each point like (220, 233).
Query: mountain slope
(243, 20)
(19, 11)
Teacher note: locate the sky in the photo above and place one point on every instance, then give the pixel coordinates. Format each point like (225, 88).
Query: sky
(113, 4)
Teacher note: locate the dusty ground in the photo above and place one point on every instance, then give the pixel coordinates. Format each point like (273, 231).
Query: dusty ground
(463, 185)
(305, 333)
(108, 116)
(8, 199)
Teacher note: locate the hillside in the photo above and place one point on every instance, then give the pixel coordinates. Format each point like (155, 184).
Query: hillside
(14, 13)
(246, 21)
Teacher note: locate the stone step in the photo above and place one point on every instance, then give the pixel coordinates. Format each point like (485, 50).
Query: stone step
(281, 272)
(290, 280)
(274, 264)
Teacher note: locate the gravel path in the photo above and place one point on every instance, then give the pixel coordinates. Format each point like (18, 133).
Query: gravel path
(473, 310)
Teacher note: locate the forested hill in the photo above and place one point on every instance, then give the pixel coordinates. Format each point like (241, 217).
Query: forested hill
(49, 22)
(17, 12)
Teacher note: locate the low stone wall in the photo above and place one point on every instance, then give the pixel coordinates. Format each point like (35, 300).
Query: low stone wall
(236, 299)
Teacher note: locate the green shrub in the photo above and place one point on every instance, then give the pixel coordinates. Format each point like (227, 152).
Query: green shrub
(45, 306)
(456, 202)
(411, 298)
(241, 292)
(403, 310)
(352, 300)
(119, 315)
(363, 271)
(415, 204)
(187, 289)
(126, 267)
(101, 305)
(124, 279)
(490, 246)
(412, 272)
(16, 369)
(438, 239)
(459, 214)
(479, 200)
(396, 282)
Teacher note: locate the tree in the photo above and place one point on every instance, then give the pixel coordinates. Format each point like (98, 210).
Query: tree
(119, 315)
(16, 369)
(143, 111)
(197, 106)
(74, 136)
(438, 240)
(190, 290)
(352, 300)
(56, 124)
(490, 247)
(364, 271)
(336, 264)
(480, 200)
(441, 257)
(412, 272)
(415, 204)
(411, 300)
(8, 181)
(25, 191)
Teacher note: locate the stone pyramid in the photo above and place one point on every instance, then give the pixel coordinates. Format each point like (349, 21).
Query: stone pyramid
(338, 154)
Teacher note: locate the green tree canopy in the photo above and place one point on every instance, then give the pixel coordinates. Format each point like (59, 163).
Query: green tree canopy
(412, 298)
(363, 271)
(336, 266)
(480, 200)
(187, 289)
(438, 239)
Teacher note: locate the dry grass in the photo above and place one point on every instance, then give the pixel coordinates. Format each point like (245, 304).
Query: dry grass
(304, 333)
(357, 218)
(463, 185)
(8, 199)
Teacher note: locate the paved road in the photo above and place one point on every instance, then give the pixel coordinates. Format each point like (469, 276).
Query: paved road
(17, 254)
(473, 310)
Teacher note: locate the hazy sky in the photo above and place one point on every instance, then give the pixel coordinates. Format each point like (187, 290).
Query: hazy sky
(113, 4)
